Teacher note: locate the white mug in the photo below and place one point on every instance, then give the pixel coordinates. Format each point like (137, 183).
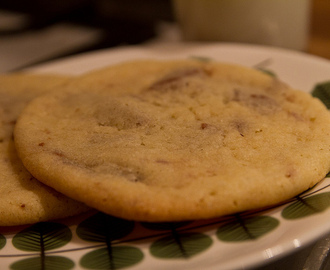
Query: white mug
(281, 23)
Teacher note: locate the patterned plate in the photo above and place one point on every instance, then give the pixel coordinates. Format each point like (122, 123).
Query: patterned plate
(98, 241)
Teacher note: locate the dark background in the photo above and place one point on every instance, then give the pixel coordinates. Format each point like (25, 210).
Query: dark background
(124, 21)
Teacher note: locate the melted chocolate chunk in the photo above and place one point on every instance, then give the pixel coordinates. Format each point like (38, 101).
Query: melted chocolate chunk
(261, 103)
(172, 80)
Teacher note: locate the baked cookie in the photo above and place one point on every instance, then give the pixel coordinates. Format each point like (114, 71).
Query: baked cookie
(23, 199)
(176, 140)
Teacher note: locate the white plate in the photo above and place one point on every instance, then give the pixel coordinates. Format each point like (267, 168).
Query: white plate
(253, 238)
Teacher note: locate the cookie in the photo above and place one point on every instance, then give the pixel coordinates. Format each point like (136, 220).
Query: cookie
(23, 199)
(176, 140)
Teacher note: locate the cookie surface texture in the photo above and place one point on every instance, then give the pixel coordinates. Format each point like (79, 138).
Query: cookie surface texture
(24, 200)
(176, 140)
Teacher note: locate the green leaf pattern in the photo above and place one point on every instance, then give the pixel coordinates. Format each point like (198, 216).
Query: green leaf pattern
(243, 229)
(3, 241)
(305, 207)
(42, 237)
(105, 229)
(48, 262)
(180, 245)
(322, 91)
(121, 257)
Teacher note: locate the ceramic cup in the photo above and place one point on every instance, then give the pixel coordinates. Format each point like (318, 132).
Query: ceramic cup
(281, 23)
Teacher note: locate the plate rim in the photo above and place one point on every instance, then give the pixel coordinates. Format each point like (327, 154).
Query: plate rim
(53, 66)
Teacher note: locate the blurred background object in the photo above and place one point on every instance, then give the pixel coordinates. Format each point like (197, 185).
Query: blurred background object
(280, 23)
(113, 15)
(319, 43)
(35, 31)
